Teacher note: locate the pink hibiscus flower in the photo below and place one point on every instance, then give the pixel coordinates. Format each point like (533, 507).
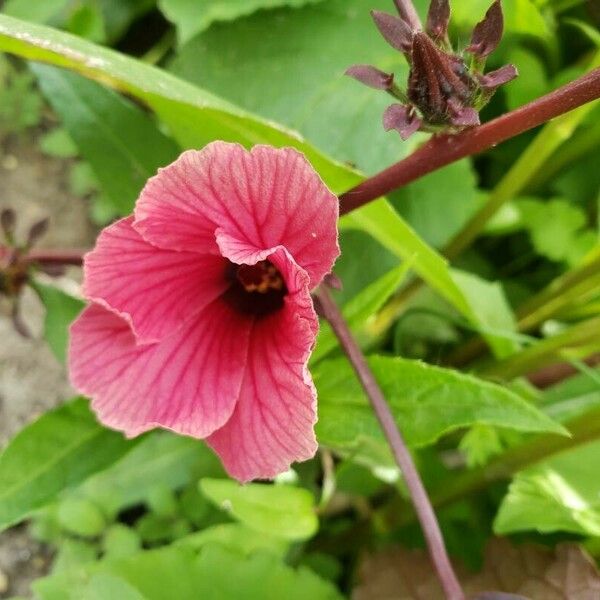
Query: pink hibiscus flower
(201, 319)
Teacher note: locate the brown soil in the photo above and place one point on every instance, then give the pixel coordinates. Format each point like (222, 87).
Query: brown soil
(31, 379)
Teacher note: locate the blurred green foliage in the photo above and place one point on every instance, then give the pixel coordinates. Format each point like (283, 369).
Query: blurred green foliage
(156, 518)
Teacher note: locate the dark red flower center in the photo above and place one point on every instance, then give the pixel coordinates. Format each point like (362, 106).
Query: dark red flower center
(256, 290)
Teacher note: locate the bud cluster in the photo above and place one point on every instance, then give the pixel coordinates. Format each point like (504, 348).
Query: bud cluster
(445, 89)
(14, 263)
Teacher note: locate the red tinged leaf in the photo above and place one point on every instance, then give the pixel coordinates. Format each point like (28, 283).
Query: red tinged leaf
(494, 79)
(37, 231)
(401, 118)
(408, 13)
(462, 116)
(8, 220)
(396, 32)
(488, 32)
(371, 76)
(438, 18)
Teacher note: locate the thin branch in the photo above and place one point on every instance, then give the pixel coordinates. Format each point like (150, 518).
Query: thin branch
(553, 374)
(423, 508)
(56, 257)
(442, 150)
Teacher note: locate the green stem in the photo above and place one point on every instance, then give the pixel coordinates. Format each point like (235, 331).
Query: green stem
(518, 176)
(160, 49)
(562, 286)
(564, 293)
(576, 340)
(581, 144)
(582, 292)
(583, 429)
(564, 5)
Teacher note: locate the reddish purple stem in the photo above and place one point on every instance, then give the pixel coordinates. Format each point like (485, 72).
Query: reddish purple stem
(56, 257)
(423, 508)
(442, 150)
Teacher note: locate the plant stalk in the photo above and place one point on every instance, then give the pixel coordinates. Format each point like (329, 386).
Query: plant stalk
(56, 257)
(442, 150)
(423, 507)
(581, 338)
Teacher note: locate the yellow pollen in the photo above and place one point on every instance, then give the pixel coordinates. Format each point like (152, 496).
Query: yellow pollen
(271, 280)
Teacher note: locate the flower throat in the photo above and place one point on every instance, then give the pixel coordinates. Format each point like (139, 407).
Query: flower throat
(256, 290)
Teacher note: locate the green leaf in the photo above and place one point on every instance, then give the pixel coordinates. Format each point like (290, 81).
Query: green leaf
(81, 517)
(20, 103)
(162, 501)
(87, 21)
(362, 260)
(359, 310)
(58, 143)
(352, 478)
(532, 81)
(62, 448)
(387, 226)
(427, 402)
(288, 65)
(479, 444)
(464, 292)
(154, 529)
(120, 14)
(236, 537)
(120, 541)
(560, 494)
(177, 572)
(111, 18)
(109, 587)
(61, 310)
(573, 397)
(492, 311)
(554, 226)
(440, 203)
(73, 553)
(194, 116)
(120, 142)
(589, 30)
(259, 577)
(192, 17)
(161, 457)
(279, 510)
(82, 180)
(38, 12)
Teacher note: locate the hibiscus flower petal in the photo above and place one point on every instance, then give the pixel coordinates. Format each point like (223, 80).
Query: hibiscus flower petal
(265, 197)
(273, 421)
(188, 382)
(155, 290)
